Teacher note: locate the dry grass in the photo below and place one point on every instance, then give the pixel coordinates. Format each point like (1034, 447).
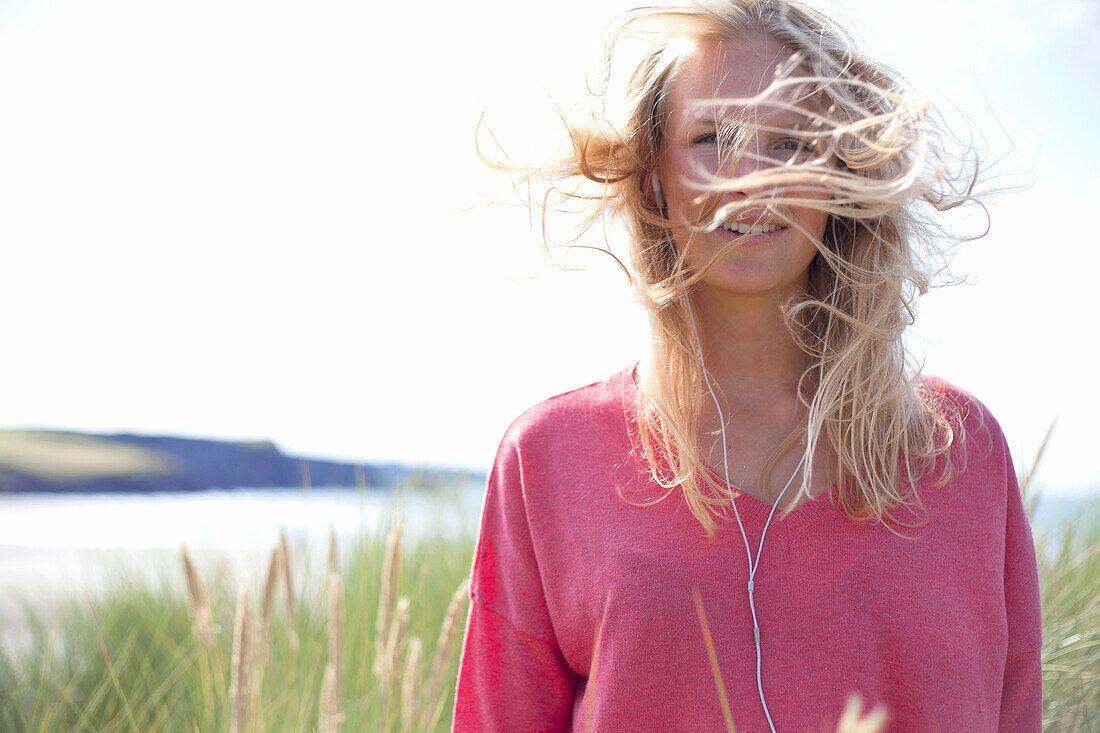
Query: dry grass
(291, 604)
(410, 710)
(332, 687)
(852, 719)
(240, 666)
(197, 601)
(390, 567)
(712, 656)
(398, 661)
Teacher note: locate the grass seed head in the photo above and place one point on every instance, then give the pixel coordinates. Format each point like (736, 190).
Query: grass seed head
(335, 620)
(448, 632)
(409, 700)
(395, 640)
(391, 564)
(239, 673)
(331, 717)
(198, 603)
(291, 615)
(267, 602)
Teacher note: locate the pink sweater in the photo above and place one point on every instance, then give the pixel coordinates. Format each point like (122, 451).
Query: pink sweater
(584, 618)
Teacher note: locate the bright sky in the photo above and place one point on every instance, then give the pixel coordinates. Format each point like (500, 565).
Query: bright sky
(237, 218)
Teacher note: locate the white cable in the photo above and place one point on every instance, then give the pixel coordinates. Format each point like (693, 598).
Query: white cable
(748, 551)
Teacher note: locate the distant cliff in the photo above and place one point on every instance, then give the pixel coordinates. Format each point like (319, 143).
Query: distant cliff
(46, 460)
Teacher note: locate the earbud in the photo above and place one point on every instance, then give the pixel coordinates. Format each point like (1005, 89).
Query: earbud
(658, 194)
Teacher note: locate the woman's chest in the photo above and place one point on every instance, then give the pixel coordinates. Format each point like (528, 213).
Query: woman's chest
(646, 584)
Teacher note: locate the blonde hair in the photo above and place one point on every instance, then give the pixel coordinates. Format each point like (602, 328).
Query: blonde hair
(888, 174)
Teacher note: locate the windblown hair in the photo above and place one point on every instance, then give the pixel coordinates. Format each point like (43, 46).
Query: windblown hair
(876, 150)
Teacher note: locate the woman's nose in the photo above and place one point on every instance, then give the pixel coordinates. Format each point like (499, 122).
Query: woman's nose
(742, 164)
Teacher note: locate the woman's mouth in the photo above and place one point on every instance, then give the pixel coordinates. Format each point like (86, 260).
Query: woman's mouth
(749, 235)
(751, 230)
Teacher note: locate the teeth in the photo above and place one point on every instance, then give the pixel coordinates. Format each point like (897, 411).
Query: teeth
(739, 228)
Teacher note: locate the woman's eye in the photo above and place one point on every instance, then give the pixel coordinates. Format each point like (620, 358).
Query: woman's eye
(794, 146)
(707, 138)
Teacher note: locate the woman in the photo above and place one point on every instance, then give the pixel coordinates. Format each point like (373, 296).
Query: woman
(770, 513)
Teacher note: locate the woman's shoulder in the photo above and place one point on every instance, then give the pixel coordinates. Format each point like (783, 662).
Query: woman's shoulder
(583, 412)
(958, 406)
(978, 443)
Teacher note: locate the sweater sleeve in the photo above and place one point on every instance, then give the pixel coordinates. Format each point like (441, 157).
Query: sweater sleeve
(512, 675)
(1022, 694)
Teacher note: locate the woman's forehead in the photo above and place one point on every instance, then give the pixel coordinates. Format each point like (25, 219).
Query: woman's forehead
(734, 70)
(755, 77)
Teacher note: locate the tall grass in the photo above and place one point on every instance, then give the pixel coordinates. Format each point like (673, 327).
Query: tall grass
(1069, 583)
(1069, 579)
(147, 660)
(1069, 572)
(370, 643)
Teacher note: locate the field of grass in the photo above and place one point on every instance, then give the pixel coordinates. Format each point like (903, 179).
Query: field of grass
(370, 643)
(1069, 576)
(256, 658)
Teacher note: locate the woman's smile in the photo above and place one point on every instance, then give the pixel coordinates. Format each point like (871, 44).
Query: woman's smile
(749, 229)
(756, 238)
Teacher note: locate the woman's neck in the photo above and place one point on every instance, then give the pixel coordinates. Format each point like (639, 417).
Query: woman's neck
(748, 350)
(755, 368)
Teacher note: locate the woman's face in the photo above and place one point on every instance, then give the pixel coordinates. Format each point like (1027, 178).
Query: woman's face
(767, 246)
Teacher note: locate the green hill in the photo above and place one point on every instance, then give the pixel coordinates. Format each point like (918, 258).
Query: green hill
(59, 461)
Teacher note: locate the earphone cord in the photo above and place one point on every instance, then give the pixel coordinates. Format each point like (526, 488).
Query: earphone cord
(748, 552)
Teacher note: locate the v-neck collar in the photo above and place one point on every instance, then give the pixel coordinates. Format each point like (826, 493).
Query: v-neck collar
(752, 511)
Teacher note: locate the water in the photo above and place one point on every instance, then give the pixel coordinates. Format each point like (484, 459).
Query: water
(241, 519)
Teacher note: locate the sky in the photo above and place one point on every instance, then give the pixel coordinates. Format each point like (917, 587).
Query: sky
(247, 219)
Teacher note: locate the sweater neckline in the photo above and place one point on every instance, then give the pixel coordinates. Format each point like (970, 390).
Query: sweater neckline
(754, 512)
